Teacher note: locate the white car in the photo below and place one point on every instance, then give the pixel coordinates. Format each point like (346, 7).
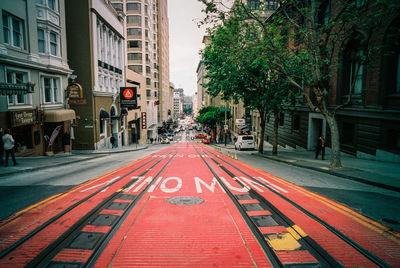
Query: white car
(244, 142)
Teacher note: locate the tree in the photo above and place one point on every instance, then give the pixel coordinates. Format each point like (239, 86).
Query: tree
(317, 33)
(238, 68)
(211, 116)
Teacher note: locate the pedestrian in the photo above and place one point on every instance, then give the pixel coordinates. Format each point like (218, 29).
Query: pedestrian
(8, 142)
(320, 147)
(1, 147)
(112, 141)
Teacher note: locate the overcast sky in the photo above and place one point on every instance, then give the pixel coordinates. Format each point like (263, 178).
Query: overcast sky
(185, 41)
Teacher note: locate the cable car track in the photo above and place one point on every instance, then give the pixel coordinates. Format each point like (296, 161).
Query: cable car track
(32, 233)
(314, 246)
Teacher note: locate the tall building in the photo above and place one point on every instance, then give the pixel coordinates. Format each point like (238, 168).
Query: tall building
(98, 63)
(34, 76)
(146, 32)
(164, 92)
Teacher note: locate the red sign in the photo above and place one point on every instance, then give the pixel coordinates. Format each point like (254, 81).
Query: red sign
(144, 120)
(128, 93)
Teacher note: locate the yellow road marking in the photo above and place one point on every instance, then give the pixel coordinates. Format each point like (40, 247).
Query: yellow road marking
(296, 232)
(282, 241)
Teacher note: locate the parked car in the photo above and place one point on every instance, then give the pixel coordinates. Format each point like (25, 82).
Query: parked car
(200, 135)
(244, 142)
(206, 141)
(164, 140)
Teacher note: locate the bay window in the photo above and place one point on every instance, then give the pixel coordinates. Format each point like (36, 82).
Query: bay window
(51, 90)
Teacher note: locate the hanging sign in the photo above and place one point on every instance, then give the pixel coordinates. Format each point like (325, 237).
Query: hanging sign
(144, 120)
(128, 97)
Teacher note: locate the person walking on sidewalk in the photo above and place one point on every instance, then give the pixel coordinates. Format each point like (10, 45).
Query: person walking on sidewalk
(9, 147)
(1, 147)
(320, 147)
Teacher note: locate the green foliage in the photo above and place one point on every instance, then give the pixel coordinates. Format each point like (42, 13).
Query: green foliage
(212, 115)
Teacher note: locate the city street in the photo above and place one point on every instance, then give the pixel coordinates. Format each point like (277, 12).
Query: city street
(254, 200)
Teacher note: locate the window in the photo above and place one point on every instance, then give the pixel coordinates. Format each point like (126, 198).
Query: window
(148, 93)
(134, 56)
(52, 4)
(53, 44)
(118, 6)
(253, 4)
(51, 90)
(133, 6)
(40, 2)
(17, 77)
(391, 60)
(134, 19)
(41, 41)
(136, 68)
(12, 30)
(356, 73)
(147, 69)
(134, 31)
(353, 67)
(135, 44)
(148, 81)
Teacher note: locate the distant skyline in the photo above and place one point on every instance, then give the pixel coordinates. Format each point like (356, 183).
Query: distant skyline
(185, 42)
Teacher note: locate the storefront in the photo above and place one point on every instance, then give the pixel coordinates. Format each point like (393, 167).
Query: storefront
(27, 132)
(57, 131)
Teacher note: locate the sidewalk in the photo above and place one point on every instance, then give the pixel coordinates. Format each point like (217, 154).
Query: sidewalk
(28, 164)
(378, 173)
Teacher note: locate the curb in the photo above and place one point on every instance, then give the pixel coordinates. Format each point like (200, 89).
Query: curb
(373, 183)
(96, 155)
(112, 152)
(48, 166)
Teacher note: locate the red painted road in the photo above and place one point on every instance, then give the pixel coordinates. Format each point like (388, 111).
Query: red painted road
(212, 233)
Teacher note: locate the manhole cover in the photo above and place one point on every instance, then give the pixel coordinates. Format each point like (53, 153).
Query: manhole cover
(185, 200)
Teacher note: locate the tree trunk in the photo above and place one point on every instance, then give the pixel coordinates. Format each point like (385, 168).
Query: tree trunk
(261, 138)
(275, 139)
(335, 143)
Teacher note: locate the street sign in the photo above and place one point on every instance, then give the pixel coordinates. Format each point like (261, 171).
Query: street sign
(128, 97)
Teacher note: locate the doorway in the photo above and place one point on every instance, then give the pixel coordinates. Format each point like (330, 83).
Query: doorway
(316, 128)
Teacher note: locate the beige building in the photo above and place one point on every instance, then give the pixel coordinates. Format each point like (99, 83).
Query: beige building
(98, 64)
(136, 119)
(165, 95)
(147, 36)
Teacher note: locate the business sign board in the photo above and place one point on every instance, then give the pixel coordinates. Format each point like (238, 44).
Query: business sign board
(128, 97)
(23, 118)
(144, 120)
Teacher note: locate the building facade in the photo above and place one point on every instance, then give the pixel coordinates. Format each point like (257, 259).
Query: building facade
(369, 124)
(34, 75)
(98, 63)
(147, 42)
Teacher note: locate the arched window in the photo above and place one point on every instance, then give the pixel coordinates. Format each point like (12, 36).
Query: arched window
(391, 60)
(353, 69)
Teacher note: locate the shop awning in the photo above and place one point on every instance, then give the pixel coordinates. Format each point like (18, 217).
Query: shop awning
(104, 115)
(59, 115)
(16, 89)
(152, 126)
